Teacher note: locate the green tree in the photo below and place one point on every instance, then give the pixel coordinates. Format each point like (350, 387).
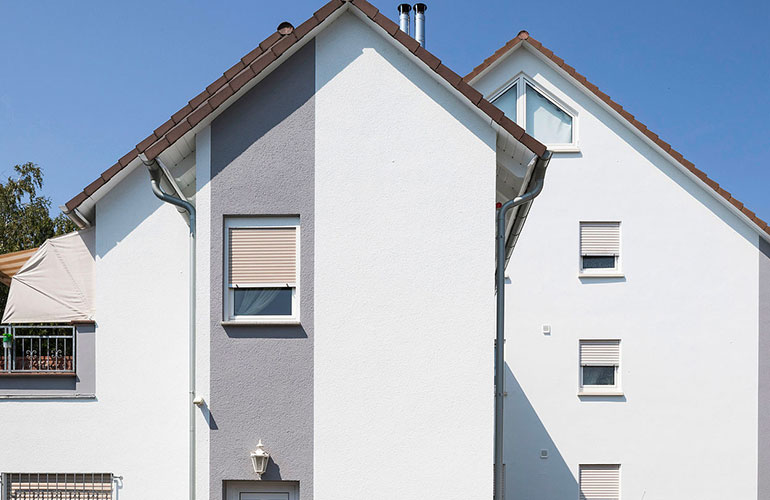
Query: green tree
(25, 220)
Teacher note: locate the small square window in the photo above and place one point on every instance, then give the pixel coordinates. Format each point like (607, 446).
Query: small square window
(599, 365)
(599, 247)
(262, 268)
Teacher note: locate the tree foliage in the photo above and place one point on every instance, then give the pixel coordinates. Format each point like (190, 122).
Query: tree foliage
(25, 220)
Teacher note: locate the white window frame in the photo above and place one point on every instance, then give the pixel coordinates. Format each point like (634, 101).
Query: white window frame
(240, 222)
(521, 81)
(600, 390)
(606, 272)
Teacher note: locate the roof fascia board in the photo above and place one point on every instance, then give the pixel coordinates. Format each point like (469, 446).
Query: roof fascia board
(497, 61)
(623, 121)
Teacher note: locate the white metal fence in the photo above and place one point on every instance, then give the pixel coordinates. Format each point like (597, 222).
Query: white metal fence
(38, 349)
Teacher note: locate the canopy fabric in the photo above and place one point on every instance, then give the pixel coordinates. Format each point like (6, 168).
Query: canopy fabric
(10, 263)
(55, 285)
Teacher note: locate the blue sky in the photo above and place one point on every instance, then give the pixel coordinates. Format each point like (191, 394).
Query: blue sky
(81, 82)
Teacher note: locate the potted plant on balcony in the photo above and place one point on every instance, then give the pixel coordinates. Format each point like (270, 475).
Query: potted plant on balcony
(7, 339)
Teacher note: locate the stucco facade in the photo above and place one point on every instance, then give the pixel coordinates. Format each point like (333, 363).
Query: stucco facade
(685, 312)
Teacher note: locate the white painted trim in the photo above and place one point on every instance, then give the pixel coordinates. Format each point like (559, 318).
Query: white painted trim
(521, 80)
(601, 390)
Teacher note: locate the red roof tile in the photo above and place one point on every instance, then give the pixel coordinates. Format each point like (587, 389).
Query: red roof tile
(524, 37)
(268, 51)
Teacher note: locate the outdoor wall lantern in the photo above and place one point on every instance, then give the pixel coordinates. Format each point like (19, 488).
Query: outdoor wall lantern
(259, 459)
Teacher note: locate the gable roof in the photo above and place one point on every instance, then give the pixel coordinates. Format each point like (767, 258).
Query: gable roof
(524, 38)
(260, 59)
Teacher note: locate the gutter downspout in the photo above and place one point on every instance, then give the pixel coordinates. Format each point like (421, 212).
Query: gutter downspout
(504, 248)
(155, 177)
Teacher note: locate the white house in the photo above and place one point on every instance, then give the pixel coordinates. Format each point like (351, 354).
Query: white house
(344, 183)
(638, 328)
(300, 263)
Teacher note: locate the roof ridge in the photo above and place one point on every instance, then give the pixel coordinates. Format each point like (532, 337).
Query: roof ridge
(270, 49)
(525, 37)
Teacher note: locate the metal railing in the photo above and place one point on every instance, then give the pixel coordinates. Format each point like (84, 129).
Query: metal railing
(80, 486)
(38, 349)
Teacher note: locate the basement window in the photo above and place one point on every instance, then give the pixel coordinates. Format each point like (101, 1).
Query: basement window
(44, 486)
(539, 113)
(262, 269)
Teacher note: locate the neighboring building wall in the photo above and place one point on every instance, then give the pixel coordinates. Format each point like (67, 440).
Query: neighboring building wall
(404, 278)
(686, 313)
(764, 370)
(136, 426)
(261, 379)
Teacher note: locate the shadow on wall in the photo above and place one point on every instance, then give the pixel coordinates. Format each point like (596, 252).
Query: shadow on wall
(529, 477)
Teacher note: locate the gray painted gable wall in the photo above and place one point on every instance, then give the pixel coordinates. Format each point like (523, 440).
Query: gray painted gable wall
(262, 163)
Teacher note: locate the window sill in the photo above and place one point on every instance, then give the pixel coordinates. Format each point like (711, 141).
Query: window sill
(38, 374)
(260, 322)
(601, 393)
(47, 396)
(601, 275)
(554, 148)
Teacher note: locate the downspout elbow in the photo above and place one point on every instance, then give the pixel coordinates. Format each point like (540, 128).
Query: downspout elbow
(155, 178)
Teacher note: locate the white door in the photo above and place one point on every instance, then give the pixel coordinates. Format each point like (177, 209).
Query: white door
(258, 490)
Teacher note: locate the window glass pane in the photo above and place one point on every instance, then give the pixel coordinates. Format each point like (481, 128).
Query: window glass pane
(262, 301)
(598, 262)
(507, 102)
(598, 375)
(546, 122)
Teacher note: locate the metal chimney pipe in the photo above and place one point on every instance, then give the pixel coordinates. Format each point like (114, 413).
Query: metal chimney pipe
(419, 22)
(403, 17)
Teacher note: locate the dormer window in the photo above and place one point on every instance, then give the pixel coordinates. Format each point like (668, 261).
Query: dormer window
(540, 114)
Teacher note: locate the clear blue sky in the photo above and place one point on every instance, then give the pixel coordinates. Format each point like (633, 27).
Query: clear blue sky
(81, 82)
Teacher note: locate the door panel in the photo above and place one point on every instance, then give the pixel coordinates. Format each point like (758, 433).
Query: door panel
(264, 496)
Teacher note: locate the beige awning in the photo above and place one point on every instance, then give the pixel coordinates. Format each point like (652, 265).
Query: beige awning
(55, 284)
(10, 263)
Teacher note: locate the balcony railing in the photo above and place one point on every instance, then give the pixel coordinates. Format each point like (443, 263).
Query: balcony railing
(39, 349)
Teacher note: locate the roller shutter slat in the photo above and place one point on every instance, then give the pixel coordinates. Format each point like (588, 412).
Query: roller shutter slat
(600, 352)
(599, 238)
(599, 482)
(263, 255)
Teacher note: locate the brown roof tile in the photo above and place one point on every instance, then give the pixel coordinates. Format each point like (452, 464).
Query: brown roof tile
(386, 23)
(283, 44)
(269, 50)
(112, 171)
(198, 100)
(304, 28)
(428, 58)
(367, 8)
(91, 188)
(128, 157)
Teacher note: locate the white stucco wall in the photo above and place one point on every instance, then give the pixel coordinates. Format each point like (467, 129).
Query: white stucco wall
(137, 425)
(404, 260)
(686, 314)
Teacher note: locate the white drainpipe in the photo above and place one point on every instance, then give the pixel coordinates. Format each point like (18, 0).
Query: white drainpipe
(155, 177)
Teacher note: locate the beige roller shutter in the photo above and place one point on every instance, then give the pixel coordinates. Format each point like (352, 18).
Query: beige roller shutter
(600, 352)
(600, 238)
(599, 482)
(263, 255)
